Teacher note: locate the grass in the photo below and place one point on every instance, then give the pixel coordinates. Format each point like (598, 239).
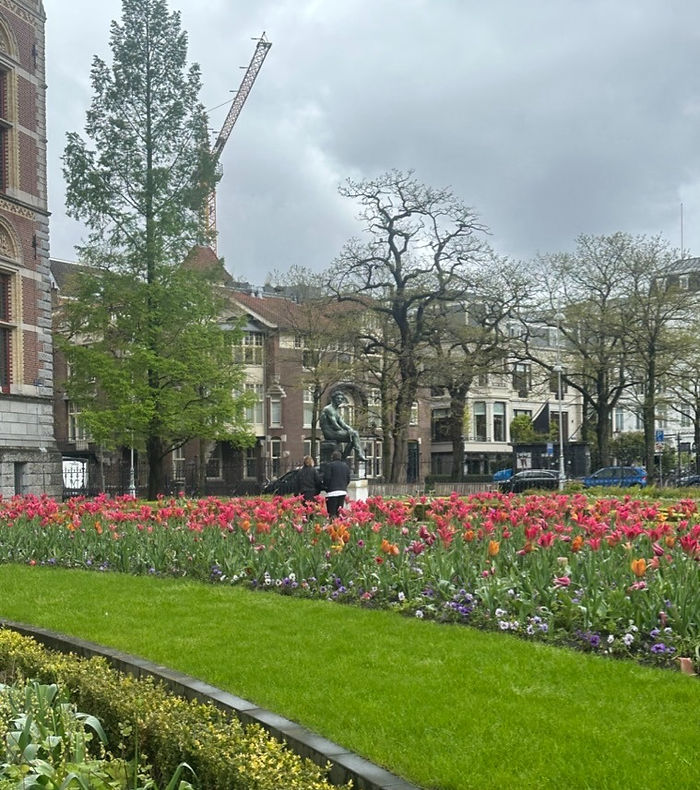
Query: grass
(444, 706)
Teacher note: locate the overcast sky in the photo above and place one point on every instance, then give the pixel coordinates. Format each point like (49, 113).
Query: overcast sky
(551, 118)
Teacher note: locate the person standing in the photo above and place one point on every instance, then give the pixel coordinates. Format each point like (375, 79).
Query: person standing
(309, 482)
(336, 476)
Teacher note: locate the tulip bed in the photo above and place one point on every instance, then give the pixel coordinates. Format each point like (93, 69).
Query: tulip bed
(614, 576)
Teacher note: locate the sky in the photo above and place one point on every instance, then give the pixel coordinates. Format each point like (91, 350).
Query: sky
(551, 118)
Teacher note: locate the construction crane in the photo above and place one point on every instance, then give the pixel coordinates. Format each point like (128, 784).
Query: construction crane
(261, 50)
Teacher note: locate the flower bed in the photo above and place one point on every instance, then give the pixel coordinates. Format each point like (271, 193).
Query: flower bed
(613, 575)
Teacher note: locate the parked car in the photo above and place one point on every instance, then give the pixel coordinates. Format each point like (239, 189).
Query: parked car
(530, 478)
(689, 480)
(617, 476)
(285, 484)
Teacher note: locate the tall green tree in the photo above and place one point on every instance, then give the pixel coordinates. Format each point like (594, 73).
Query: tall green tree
(139, 182)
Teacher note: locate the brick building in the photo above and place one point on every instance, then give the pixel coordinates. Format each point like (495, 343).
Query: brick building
(28, 458)
(275, 354)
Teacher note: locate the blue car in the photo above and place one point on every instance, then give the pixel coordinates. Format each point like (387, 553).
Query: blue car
(623, 476)
(502, 474)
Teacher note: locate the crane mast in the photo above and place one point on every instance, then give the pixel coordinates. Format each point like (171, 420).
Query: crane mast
(261, 50)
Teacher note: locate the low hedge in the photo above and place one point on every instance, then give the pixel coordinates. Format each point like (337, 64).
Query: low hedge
(141, 716)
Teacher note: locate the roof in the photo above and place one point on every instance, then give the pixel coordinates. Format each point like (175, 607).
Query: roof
(288, 314)
(62, 271)
(204, 259)
(685, 266)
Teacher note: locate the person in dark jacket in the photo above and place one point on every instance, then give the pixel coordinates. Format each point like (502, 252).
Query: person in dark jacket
(336, 476)
(309, 482)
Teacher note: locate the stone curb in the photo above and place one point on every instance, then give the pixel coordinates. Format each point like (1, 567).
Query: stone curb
(345, 765)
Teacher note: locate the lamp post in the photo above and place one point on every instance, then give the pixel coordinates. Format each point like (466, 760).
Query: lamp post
(559, 370)
(562, 470)
(132, 477)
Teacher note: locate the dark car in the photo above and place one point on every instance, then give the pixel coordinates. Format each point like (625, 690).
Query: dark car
(286, 484)
(689, 480)
(624, 476)
(530, 478)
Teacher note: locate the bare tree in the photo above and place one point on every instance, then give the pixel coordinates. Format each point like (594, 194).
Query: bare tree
(581, 295)
(470, 340)
(683, 382)
(419, 246)
(653, 307)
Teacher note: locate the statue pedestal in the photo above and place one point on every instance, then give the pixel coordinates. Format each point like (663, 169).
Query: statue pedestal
(358, 490)
(327, 449)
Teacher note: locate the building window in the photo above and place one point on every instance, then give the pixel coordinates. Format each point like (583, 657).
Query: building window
(413, 419)
(686, 421)
(499, 422)
(250, 350)
(638, 422)
(619, 418)
(179, 464)
(662, 417)
(522, 413)
(7, 328)
(554, 384)
(215, 463)
(312, 451)
(373, 453)
(275, 457)
(254, 413)
(5, 129)
(482, 380)
(522, 379)
(251, 462)
(347, 410)
(440, 425)
(480, 421)
(76, 429)
(374, 407)
(275, 413)
(308, 408)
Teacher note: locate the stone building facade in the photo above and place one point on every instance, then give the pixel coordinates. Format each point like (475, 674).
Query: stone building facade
(29, 462)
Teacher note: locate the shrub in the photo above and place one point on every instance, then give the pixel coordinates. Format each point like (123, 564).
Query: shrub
(140, 716)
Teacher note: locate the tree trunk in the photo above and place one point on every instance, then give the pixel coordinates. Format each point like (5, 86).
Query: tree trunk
(205, 449)
(457, 409)
(602, 430)
(399, 461)
(156, 467)
(649, 420)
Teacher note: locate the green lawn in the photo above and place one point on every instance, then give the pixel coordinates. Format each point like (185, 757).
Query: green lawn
(443, 706)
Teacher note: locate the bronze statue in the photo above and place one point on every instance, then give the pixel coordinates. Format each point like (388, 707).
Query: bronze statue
(335, 428)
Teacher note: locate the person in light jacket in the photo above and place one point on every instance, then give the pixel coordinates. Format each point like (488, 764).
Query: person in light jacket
(336, 476)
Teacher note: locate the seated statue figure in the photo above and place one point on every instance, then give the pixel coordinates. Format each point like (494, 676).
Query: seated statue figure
(335, 428)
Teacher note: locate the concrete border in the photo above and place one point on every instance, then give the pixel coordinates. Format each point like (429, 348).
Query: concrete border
(345, 765)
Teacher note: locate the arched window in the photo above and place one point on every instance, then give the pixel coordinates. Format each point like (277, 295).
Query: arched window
(10, 310)
(8, 109)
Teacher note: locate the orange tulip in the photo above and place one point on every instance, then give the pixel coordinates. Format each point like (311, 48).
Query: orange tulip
(494, 548)
(639, 567)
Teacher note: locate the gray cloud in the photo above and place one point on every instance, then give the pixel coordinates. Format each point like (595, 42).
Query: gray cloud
(551, 118)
